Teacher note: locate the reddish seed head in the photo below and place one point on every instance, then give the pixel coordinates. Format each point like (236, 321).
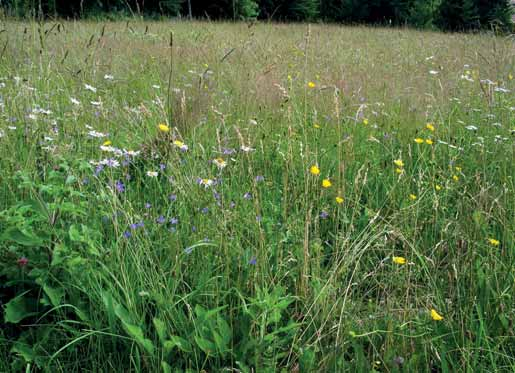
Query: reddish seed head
(22, 262)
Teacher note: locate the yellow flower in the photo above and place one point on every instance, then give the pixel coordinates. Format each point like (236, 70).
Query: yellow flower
(429, 142)
(418, 140)
(178, 143)
(107, 143)
(220, 163)
(430, 127)
(435, 315)
(311, 85)
(412, 197)
(365, 121)
(339, 200)
(326, 183)
(316, 125)
(399, 163)
(510, 76)
(438, 187)
(399, 260)
(163, 127)
(494, 242)
(455, 178)
(399, 170)
(314, 170)
(458, 169)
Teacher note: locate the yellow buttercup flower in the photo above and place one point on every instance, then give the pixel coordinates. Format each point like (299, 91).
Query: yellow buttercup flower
(418, 140)
(316, 125)
(399, 163)
(510, 76)
(455, 178)
(399, 260)
(435, 315)
(163, 127)
(494, 242)
(429, 142)
(458, 169)
(326, 183)
(107, 143)
(339, 200)
(314, 170)
(413, 197)
(399, 170)
(311, 85)
(438, 187)
(178, 143)
(365, 121)
(430, 127)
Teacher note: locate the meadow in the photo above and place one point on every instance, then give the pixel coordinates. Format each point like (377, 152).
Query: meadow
(196, 196)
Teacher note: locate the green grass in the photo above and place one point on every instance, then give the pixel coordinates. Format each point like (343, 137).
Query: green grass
(264, 270)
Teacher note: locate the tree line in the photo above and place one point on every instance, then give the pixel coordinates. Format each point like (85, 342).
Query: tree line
(443, 14)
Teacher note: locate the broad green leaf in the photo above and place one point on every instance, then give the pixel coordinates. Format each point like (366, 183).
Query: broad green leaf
(176, 341)
(21, 238)
(160, 329)
(137, 333)
(166, 367)
(55, 294)
(18, 309)
(207, 346)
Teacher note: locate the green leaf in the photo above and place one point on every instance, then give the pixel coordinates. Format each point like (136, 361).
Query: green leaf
(166, 367)
(176, 341)
(160, 329)
(137, 333)
(21, 238)
(18, 309)
(24, 350)
(55, 294)
(75, 234)
(207, 346)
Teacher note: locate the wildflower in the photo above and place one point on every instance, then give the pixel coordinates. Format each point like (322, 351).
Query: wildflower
(438, 187)
(471, 128)
(510, 76)
(90, 88)
(455, 178)
(418, 140)
(182, 146)
(435, 315)
(429, 142)
(163, 127)
(148, 206)
(311, 85)
(316, 125)
(23, 261)
(399, 163)
(430, 127)
(127, 234)
(74, 101)
(259, 218)
(161, 219)
(113, 163)
(120, 187)
(314, 170)
(247, 195)
(152, 173)
(457, 168)
(399, 260)
(220, 163)
(205, 182)
(229, 151)
(399, 170)
(96, 134)
(413, 197)
(324, 215)
(494, 242)
(107, 143)
(365, 121)
(172, 197)
(246, 149)
(204, 210)
(259, 178)
(253, 261)
(326, 183)
(339, 200)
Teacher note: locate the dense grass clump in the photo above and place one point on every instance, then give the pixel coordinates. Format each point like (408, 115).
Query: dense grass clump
(264, 198)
